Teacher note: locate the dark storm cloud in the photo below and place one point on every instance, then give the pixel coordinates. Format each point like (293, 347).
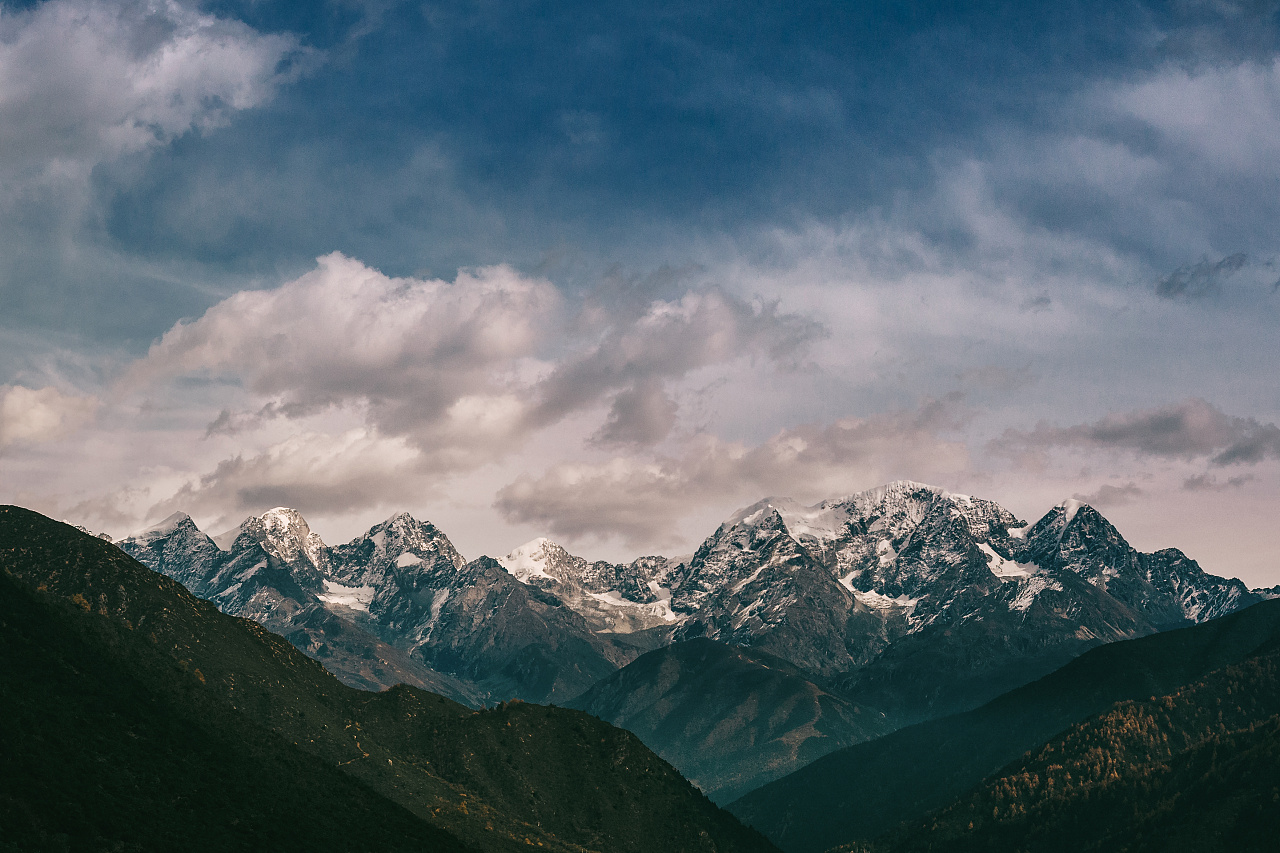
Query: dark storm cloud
(1221, 30)
(1192, 429)
(607, 127)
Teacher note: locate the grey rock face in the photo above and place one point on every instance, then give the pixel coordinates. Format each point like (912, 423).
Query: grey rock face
(924, 602)
(396, 604)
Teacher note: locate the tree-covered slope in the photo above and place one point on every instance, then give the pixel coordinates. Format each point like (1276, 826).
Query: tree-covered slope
(95, 759)
(1195, 770)
(867, 789)
(500, 779)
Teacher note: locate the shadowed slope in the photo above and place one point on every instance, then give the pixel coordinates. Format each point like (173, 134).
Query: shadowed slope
(869, 788)
(1196, 770)
(554, 777)
(730, 719)
(96, 759)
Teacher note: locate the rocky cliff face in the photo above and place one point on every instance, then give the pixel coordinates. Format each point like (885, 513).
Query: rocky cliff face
(398, 603)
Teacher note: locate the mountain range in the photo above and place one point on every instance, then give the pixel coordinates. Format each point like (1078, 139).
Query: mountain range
(800, 629)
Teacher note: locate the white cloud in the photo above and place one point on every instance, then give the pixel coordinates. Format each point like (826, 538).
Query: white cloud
(431, 359)
(466, 370)
(327, 474)
(1228, 115)
(30, 416)
(83, 80)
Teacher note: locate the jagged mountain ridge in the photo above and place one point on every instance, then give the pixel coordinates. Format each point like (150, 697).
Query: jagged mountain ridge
(398, 603)
(908, 598)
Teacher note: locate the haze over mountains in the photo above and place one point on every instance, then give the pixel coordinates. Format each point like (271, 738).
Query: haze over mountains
(895, 605)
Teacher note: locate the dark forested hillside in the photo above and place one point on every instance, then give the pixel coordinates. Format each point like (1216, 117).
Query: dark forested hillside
(1196, 770)
(95, 759)
(142, 713)
(867, 789)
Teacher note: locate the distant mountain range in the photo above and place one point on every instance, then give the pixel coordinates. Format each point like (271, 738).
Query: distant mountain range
(891, 606)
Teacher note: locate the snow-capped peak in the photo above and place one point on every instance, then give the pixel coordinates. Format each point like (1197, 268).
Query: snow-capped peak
(1069, 509)
(164, 528)
(533, 559)
(283, 532)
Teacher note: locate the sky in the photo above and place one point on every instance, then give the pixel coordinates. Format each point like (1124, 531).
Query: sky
(606, 272)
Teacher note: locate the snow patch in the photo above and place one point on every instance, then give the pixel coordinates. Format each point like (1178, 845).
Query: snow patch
(660, 608)
(164, 528)
(663, 593)
(737, 587)
(822, 521)
(529, 560)
(880, 601)
(1031, 587)
(252, 570)
(407, 559)
(1069, 509)
(355, 597)
(1006, 570)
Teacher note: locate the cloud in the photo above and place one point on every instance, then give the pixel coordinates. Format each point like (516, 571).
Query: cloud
(82, 81)
(466, 370)
(1227, 114)
(642, 501)
(310, 471)
(431, 359)
(641, 415)
(667, 340)
(1191, 429)
(1202, 278)
(1210, 483)
(30, 416)
(1108, 495)
(1035, 304)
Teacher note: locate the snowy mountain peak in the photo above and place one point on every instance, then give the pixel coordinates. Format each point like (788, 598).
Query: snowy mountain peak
(166, 527)
(539, 559)
(400, 521)
(1069, 508)
(892, 511)
(283, 533)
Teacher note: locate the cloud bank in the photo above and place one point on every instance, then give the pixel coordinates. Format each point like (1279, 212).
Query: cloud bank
(1191, 429)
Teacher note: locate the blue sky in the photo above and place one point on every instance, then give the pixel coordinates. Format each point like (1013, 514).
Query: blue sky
(606, 272)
